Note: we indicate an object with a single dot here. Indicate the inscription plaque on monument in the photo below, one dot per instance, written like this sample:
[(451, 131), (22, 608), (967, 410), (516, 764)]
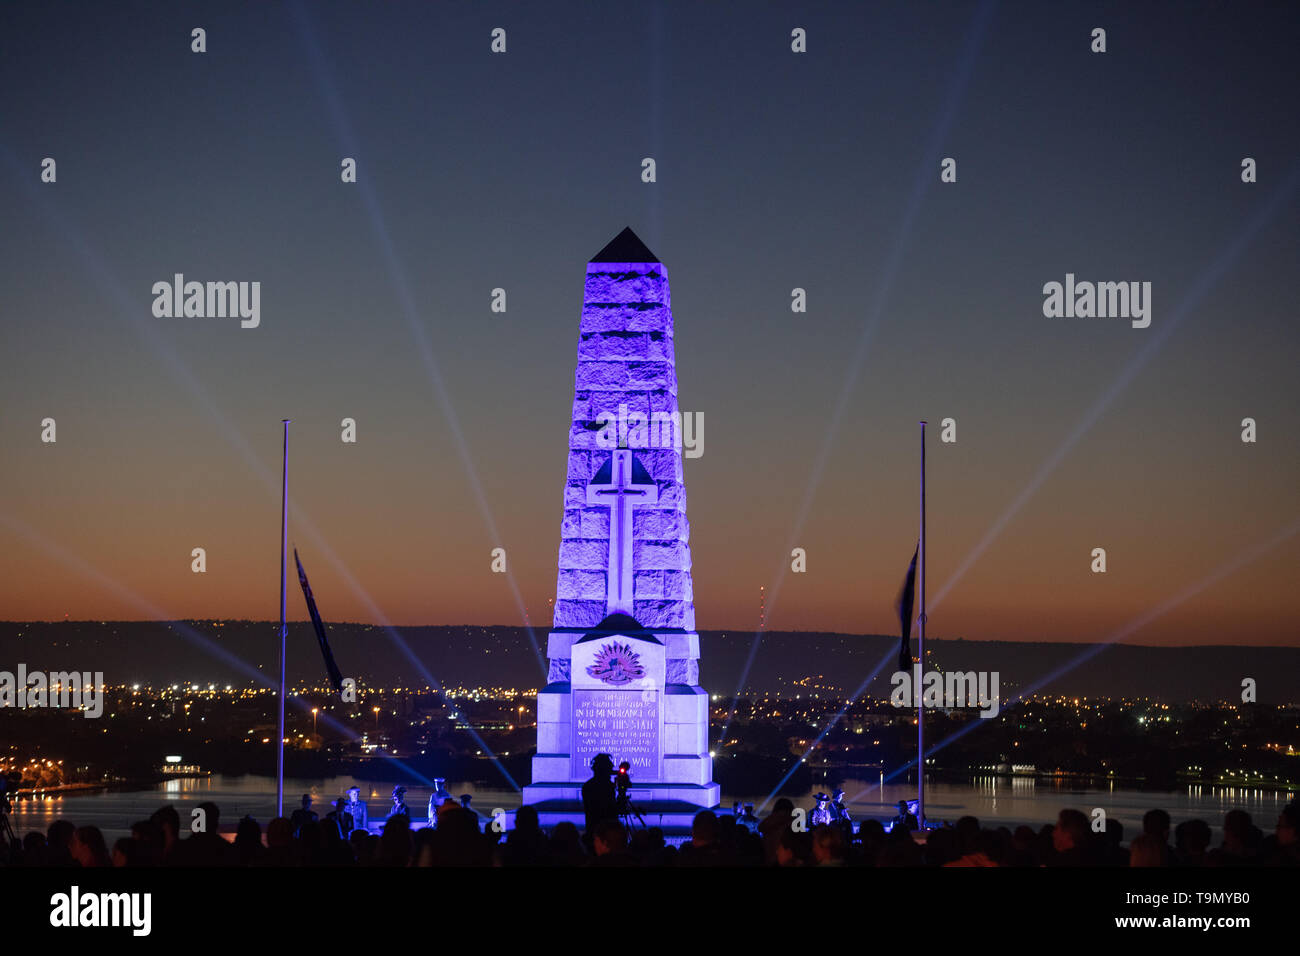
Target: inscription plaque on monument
[(618, 704), (622, 723)]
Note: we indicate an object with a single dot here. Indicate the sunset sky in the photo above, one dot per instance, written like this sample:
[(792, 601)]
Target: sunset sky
[(775, 170)]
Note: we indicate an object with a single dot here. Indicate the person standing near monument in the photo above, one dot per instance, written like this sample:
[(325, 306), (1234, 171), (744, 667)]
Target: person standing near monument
[(400, 808), (305, 814), (906, 818), (839, 812), (821, 813), (358, 810), (340, 819), (439, 796), (598, 800)]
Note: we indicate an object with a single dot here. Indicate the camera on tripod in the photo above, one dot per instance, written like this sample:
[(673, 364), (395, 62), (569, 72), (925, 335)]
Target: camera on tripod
[(627, 811), (8, 784)]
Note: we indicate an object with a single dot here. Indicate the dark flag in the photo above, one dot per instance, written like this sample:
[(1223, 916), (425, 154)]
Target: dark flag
[(904, 607), (336, 677)]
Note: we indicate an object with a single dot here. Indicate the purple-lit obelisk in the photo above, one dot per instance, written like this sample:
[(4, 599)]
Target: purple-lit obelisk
[(624, 655)]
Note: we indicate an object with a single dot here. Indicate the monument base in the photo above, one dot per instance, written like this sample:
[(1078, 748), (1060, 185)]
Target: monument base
[(684, 796)]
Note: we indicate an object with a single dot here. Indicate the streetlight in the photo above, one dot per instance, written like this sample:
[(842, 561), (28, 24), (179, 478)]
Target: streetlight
[(314, 712), (376, 720)]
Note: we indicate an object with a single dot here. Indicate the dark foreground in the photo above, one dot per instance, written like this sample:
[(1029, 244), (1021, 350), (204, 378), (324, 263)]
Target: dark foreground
[(462, 839)]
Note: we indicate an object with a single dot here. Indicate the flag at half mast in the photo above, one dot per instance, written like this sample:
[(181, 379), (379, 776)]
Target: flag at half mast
[(335, 675), (906, 598)]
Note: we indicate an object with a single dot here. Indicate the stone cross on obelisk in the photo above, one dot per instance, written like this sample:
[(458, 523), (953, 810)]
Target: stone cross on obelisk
[(617, 488)]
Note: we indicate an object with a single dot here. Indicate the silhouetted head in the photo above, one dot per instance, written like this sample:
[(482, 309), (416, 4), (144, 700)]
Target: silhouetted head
[(124, 852), (59, 834), (871, 834), (1114, 833), (88, 847), (704, 828), (1156, 822), (211, 816), (169, 819), (827, 844), (1147, 849), (279, 833), (1196, 836), (968, 834), (1288, 825), (610, 837), (566, 836), (1071, 831), (793, 848), (248, 831), (527, 820)]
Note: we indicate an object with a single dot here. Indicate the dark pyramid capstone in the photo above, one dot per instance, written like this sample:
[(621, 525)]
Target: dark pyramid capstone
[(618, 623), (625, 247)]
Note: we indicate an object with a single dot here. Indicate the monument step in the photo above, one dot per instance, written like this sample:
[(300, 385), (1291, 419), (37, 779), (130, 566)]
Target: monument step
[(669, 797)]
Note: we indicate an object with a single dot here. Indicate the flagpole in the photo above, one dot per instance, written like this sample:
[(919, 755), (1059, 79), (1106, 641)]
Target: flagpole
[(284, 543), (920, 643)]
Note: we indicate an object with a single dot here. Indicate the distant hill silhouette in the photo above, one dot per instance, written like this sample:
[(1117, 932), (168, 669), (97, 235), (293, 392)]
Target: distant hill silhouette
[(203, 652)]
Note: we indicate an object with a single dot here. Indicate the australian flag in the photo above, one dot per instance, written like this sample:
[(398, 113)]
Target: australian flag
[(906, 597), (336, 677)]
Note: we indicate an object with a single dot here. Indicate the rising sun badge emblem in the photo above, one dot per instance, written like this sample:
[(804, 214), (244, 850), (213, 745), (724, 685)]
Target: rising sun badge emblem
[(617, 664)]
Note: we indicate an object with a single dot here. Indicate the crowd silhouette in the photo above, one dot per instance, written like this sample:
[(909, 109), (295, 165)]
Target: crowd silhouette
[(462, 838)]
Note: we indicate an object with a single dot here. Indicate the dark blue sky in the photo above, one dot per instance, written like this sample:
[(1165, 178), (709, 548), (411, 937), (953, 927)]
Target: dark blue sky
[(775, 170)]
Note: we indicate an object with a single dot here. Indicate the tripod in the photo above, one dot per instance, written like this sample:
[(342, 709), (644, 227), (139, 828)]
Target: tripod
[(8, 839), (627, 812)]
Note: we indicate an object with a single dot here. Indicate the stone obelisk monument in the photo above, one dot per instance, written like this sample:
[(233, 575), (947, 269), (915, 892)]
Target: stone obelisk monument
[(623, 652)]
